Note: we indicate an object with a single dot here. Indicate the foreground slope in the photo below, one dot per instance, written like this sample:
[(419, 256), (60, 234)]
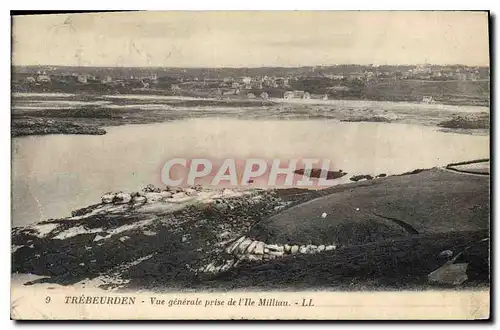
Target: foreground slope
[(386, 233)]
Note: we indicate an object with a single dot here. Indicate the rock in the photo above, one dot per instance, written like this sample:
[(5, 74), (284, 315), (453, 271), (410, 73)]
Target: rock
[(276, 253), (294, 249), (179, 195), (274, 247), (252, 247), (449, 274), (254, 257), (243, 245), (138, 199), (312, 249), (266, 251), (259, 248), (210, 268), (124, 238), (108, 198), (227, 265), (330, 247), (446, 254), (361, 177), (303, 249), (166, 194), (321, 248), (324, 215), (151, 188), (152, 197), (122, 198), (191, 192), (234, 245), (287, 248), (185, 238)]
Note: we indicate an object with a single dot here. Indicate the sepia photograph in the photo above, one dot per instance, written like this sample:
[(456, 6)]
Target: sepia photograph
[(250, 165)]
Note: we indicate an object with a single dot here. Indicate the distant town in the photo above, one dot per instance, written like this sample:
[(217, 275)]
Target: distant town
[(452, 84)]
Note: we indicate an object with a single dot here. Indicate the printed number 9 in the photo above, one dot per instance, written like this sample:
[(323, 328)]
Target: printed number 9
[(47, 300)]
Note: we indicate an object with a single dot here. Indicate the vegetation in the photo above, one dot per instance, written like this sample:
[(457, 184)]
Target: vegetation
[(466, 123)]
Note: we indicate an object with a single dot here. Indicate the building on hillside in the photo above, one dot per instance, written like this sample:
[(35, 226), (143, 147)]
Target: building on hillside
[(257, 85), (427, 99), (43, 78), (81, 78), (175, 88), (106, 80), (246, 80)]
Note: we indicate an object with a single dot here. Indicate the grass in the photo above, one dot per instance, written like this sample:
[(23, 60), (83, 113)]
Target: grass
[(377, 249), (393, 264), (361, 212)]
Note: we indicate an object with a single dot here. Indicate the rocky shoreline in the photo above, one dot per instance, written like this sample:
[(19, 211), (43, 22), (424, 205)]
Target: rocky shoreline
[(194, 237), (41, 126)]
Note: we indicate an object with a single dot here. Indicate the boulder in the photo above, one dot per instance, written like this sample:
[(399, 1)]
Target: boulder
[(274, 247), (449, 274), (446, 254), (151, 188), (330, 247), (108, 198), (312, 248), (191, 192), (255, 257), (179, 195), (259, 248), (227, 265), (252, 247), (243, 245), (122, 198), (166, 194), (230, 249), (276, 253), (210, 268), (138, 199), (152, 197)]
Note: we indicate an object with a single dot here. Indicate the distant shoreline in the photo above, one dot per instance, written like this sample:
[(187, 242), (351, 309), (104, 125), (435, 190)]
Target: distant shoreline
[(52, 113)]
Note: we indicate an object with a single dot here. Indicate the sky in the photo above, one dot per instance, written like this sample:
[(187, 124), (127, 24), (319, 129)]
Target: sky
[(251, 39)]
